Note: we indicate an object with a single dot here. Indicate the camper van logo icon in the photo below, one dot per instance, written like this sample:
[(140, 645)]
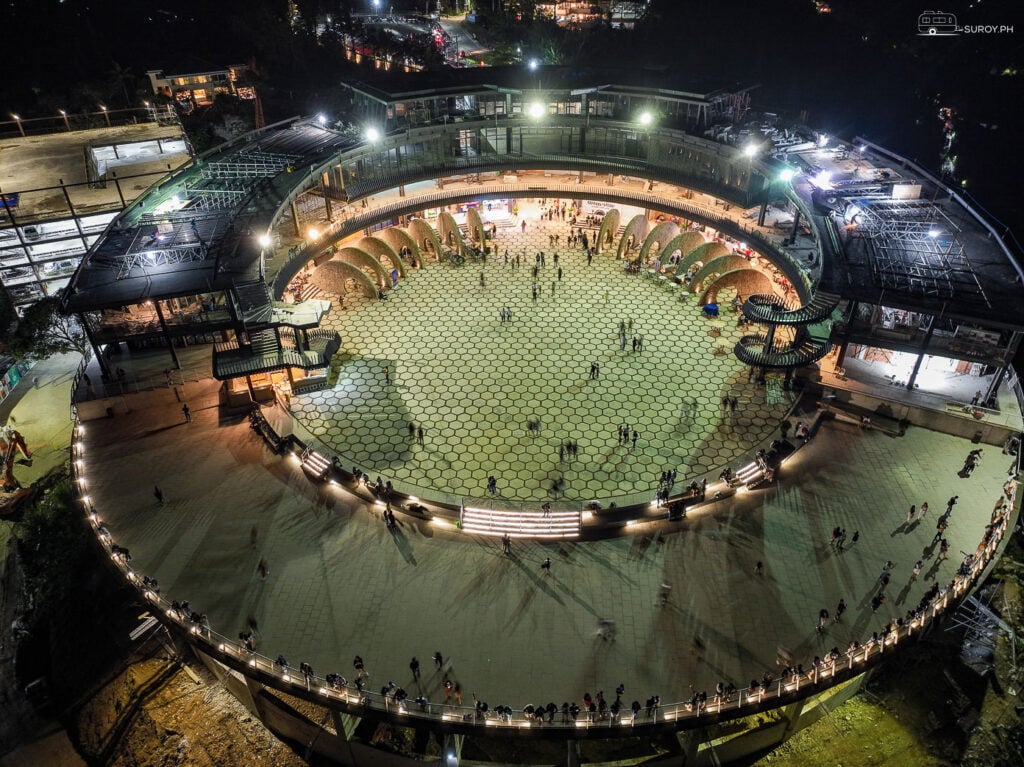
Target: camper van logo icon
[(933, 23)]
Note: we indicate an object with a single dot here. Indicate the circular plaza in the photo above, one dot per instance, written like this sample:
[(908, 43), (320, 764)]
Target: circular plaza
[(468, 355)]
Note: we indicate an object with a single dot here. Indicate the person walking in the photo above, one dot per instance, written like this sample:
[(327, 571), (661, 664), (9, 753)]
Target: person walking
[(412, 430), (546, 566), (918, 566), (636, 435), (822, 619), (506, 545), (419, 434), (387, 375), (922, 510), (438, 660), (951, 503), (187, 412), (911, 514), (414, 666), (840, 609), (559, 272)]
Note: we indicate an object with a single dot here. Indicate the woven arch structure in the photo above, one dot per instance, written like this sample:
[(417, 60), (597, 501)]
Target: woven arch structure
[(684, 242), (637, 228), (609, 226), (399, 238), (746, 281), (381, 250), (364, 260), (425, 237), (660, 235), (476, 226), (703, 253), (332, 277), (718, 265), (450, 234)]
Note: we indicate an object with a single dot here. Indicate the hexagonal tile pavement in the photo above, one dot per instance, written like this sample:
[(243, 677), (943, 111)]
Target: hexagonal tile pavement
[(474, 383)]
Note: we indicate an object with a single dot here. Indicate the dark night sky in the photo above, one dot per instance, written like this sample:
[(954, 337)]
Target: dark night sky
[(861, 69)]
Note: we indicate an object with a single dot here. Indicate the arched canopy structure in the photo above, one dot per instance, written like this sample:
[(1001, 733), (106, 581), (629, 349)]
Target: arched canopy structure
[(451, 235), (476, 226), (398, 238), (684, 243), (746, 281), (718, 265), (635, 229), (609, 227), (662, 234), (382, 251), (332, 277), (425, 237), (703, 253), (364, 260)]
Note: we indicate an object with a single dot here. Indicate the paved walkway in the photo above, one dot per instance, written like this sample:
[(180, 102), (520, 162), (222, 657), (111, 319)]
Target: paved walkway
[(339, 583), (472, 381)]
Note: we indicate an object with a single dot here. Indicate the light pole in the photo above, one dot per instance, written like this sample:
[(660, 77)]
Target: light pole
[(64, 115), (106, 114), (21, 128)]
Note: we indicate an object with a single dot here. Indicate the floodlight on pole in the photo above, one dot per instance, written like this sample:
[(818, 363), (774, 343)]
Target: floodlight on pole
[(106, 114), (646, 118), (64, 115), (21, 128), (372, 134), (533, 64), (536, 110)]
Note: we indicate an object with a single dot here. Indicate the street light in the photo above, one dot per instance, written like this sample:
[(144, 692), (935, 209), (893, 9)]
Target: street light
[(372, 134), (322, 119), (646, 118), (21, 128), (536, 110), (65, 116), (533, 64), (106, 114)]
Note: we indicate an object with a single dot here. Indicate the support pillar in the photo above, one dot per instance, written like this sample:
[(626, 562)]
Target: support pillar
[(572, 755), (345, 724), (997, 380), (167, 335), (791, 714), (762, 213), (252, 391), (298, 340), (689, 743), (452, 748), (920, 357), (401, 190), (769, 339), (295, 218), (100, 359), (611, 179), (74, 216), (796, 226), (841, 356)]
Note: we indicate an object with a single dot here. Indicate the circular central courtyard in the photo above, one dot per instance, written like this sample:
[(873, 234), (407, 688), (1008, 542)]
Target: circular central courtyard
[(439, 355)]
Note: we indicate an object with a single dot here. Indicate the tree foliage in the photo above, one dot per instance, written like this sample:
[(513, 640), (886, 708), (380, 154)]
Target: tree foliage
[(44, 331)]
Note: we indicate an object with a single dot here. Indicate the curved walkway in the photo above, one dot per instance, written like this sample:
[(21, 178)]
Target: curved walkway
[(340, 583)]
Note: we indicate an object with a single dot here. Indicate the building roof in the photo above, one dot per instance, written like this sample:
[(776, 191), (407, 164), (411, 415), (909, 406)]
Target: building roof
[(400, 86)]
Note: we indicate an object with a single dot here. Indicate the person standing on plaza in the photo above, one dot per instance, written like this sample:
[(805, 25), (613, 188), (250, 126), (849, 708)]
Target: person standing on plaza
[(492, 485), (559, 272), (922, 511), (414, 666), (635, 436), (918, 566), (950, 504), (546, 566), (387, 375), (412, 430), (910, 514), (419, 434), (822, 619)]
